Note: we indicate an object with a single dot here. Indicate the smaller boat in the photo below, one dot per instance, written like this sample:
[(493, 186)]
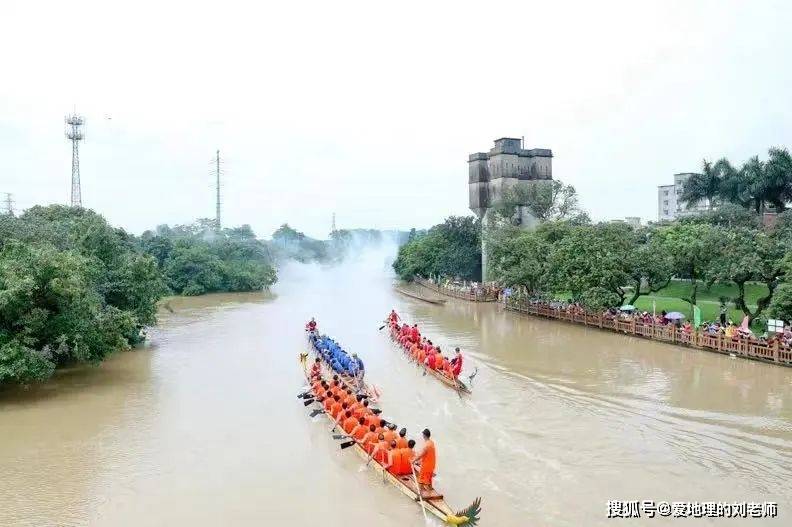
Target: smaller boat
[(457, 384), (435, 301)]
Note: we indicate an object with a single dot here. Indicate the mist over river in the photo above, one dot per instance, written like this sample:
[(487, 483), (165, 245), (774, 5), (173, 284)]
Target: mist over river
[(202, 427)]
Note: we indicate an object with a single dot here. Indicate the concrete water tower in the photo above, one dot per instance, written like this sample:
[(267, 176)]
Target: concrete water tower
[(506, 166)]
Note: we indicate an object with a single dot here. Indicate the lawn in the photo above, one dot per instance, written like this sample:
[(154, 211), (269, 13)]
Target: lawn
[(708, 300)]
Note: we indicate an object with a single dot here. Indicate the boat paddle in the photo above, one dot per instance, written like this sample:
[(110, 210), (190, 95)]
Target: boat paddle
[(418, 487)]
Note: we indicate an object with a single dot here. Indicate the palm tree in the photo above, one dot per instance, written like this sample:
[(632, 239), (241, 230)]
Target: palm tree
[(778, 178), (732, 185), (702, 186), (752, 172)]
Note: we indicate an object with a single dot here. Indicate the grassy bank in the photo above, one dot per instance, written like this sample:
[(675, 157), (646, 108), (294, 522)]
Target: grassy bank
[(708, 300)]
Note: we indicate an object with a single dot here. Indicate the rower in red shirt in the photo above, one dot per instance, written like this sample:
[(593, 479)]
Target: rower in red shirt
[(311, 325), (456, 364)]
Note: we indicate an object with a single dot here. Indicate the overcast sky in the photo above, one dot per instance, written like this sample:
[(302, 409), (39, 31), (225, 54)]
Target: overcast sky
[(370, 109)]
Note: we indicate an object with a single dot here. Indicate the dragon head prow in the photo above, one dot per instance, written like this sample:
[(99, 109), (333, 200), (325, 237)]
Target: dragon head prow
[(468, 516)]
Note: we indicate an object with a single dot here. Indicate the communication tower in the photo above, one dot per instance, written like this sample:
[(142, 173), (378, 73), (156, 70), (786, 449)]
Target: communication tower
[(218, 225), (74, 133)]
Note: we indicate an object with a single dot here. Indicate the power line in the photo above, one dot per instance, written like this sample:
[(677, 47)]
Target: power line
[(75, 134)]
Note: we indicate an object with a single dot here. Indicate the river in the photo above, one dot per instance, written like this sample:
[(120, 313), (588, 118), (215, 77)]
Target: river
[(202, 427)]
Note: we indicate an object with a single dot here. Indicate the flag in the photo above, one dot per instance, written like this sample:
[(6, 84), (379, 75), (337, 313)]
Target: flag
[(696, 316)]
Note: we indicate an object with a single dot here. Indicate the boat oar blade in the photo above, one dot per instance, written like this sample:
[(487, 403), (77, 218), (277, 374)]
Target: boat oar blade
[(316, 412), (346, 445), (382, 326), (376, 411), (309, 401)]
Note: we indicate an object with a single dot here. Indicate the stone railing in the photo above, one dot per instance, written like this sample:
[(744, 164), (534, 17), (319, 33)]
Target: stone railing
[(669, 333), (470, 294)]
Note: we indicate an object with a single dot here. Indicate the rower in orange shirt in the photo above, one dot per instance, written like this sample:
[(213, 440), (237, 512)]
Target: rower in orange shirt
[(329, 401), (421, 357), (390, 433), (370, 439), (428, 459), (380, 451), (316, 369), (372, 419), (400, 459), (359, 432), (362, 410), (447, 368), (414, 350), (349, 423), (337, 406), (401, 441)]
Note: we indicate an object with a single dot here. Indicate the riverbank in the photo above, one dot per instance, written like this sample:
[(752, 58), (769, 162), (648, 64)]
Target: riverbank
[(771, 353), (471, 294)]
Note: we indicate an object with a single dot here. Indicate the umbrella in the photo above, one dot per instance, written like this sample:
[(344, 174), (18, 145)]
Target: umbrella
[(628, 307), (675, 315)]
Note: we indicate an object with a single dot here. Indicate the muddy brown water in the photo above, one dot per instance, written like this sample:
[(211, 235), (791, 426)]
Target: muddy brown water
[(202, 427)]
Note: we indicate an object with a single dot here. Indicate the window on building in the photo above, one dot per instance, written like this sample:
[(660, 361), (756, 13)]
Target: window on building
[(665, 203), (665, 193), (665, 212)]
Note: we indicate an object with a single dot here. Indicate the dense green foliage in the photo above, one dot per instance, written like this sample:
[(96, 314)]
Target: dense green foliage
[(72, 289), (195, 259), (451, 249), (608, 264), (543, 200), (754, 185)]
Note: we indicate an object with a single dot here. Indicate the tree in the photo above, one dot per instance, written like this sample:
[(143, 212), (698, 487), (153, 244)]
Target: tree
[(544, 200), (726, 215), (704, 186), (592, 264), (778, 178), (52, 313), (451, 249), (194, 270), (691, 247), (649, 266), (518, 258), (749, 255)]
